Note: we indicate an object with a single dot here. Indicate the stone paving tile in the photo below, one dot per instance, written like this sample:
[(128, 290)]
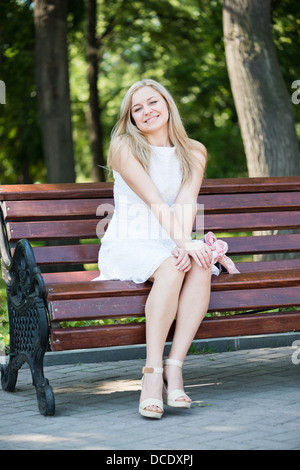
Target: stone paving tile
[(242, 400)]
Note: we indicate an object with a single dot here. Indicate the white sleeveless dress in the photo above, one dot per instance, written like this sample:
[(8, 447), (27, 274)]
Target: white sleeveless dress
[(135, 244)]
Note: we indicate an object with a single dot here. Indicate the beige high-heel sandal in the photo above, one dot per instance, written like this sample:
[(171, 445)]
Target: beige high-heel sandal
[(151, 401), (172, 398)]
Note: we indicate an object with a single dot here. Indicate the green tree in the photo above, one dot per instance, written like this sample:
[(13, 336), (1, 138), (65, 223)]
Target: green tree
[(21, 157), (180, 44), (52, 77), (262, 100)]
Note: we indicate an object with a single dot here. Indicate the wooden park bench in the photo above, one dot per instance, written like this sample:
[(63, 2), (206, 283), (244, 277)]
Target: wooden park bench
[(48, 286)]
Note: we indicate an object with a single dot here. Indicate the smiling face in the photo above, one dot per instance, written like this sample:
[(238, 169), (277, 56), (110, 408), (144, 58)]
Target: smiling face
[(149, 110)]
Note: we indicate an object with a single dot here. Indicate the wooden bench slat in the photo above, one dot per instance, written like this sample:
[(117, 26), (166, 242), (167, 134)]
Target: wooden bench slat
[(123, 335), (248, 185), (251, 221), (271, 265), (67, 254), (123, 305), (262, 244), (98, 308), (265, 298), (55, 191), (251, 324), (91, 190), (54, 230), (71, 229), (64, 339), (69, 277), (86, 208), (88, 253), (254, 280), (250, 280), (55, 209), (84, 290), (243, 267), (249, 202)]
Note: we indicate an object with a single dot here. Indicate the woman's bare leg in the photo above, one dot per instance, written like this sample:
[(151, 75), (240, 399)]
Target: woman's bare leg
[(160, 311), (192, 308)]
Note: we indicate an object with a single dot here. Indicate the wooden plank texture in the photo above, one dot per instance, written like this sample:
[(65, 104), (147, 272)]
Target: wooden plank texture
[(251, 324), (97, 309), (55, 191), (66, 254), (70, 229), (249, 202), (57, 209), (243, 267), (86, 208), (91, 190), (69, 277), (251, 221), (223, 282), (54, 230), (123, 335), (88, 253), (123, 305), (262, 244)]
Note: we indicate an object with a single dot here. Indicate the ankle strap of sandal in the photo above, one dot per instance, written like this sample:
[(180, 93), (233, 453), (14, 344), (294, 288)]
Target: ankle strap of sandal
[(173, 362), (152, 370)]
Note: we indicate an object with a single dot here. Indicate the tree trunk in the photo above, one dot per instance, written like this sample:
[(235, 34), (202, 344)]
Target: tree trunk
[(94, 112), (53, 90), (261, 98)]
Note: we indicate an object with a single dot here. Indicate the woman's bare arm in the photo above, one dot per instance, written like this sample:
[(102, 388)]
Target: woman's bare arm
[(141, 183)]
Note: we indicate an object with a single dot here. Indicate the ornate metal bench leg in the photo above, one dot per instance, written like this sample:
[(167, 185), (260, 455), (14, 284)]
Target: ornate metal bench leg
[(44, 393), (9, 377), (28, 319)]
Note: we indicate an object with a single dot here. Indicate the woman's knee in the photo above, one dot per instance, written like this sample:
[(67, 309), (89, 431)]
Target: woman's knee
[(169, 272), (199, 272)]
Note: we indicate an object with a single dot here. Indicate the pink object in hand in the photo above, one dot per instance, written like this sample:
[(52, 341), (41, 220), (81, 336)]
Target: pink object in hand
[(219, 248)]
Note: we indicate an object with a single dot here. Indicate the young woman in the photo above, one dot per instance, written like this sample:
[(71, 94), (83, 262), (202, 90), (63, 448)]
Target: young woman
[(158, 172)]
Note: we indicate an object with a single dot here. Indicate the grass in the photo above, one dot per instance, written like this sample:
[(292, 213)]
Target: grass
[(196, 351)]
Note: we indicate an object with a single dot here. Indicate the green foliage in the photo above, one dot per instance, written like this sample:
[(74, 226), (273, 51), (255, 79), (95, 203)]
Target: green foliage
[(103, 322), (179, 43), (21, 158)]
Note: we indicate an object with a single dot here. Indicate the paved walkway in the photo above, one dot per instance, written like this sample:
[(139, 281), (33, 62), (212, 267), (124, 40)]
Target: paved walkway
[(241, 400)]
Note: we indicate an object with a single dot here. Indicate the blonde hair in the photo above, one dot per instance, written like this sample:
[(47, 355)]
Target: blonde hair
[(125, 131)]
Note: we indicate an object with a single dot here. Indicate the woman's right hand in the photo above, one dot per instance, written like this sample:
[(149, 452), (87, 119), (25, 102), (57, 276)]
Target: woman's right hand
[(200, 252)]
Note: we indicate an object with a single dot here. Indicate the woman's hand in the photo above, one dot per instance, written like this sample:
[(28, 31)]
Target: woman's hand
[(200, 252), (182, 259)]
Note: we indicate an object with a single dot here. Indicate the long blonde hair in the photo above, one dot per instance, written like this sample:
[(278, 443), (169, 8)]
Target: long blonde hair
[(125, 130)]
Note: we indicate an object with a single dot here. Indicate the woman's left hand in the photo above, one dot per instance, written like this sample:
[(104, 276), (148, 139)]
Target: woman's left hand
[(182, 259)]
